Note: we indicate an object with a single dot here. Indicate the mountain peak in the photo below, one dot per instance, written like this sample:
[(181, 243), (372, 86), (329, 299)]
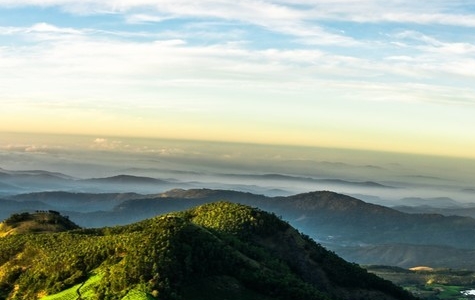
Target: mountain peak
[(213, 251)]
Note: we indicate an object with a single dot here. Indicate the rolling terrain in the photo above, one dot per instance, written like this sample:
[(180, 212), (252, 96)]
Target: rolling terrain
[(210, 252), (421, 232), (358, 231)]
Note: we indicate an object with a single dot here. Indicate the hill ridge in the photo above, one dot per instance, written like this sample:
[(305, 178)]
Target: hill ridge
[(251, 253), (40, 221)]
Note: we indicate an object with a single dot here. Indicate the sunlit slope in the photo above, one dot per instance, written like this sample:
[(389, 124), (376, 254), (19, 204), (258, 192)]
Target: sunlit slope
[(202, 253), (39, 221)]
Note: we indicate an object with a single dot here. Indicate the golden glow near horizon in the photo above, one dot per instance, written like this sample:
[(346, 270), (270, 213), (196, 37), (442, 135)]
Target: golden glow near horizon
[(359, 128), (160, 72)]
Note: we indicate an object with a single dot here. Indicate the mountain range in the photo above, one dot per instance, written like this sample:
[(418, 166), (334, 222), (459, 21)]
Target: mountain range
[(358, 231), (219, 250)]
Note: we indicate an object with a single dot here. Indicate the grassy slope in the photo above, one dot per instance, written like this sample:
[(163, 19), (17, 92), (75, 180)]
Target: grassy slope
[(87, 289)]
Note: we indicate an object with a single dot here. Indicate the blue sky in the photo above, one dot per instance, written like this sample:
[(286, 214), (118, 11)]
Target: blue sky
[(378, 75)]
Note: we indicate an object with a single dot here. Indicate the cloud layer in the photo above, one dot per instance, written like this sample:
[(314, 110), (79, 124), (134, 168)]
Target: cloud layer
[(280, 66)]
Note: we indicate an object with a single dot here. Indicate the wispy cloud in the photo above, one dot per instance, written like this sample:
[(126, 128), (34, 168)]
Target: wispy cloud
[(147, 63)]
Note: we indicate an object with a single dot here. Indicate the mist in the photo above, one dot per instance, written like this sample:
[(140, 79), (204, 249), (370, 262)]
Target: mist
[(273, 170)]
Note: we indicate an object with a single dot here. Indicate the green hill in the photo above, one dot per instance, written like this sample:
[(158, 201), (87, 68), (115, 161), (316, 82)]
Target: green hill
[(214, 251), (39, 221)]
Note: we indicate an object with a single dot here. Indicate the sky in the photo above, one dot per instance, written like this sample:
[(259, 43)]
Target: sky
[(394, 75)]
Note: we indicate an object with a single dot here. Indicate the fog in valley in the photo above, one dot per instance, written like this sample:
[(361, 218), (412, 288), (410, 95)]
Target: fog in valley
[(107, 181), (384, 178)]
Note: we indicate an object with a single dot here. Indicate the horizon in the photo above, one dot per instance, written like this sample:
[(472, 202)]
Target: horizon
[(394, 77), (374, 176)]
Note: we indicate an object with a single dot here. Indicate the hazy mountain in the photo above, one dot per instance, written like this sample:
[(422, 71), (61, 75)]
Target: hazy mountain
[(406, 256), (280, 177), (333, 219), (80, 202), (339, 218), (21, 181), (440, 202), (216, 251), (32, 173), (467, 210), (9, 207), (8, 187), (17, 182), (126, 179)]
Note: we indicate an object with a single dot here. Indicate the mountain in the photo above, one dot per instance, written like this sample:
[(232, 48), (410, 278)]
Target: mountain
[(16, 182), (280, 177), (79, 202), (8, 187), (9, 207), (32, 173), (40, 221), (340, 219), (350, 227), (407, 256), (440, 202), (467, 211), (215, 251), (126, 179), (12, 182)]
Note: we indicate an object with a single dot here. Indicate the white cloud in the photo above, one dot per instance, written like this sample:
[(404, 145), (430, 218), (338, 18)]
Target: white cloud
[(115, 67), (145, 18), (273, 11), (45, 27)]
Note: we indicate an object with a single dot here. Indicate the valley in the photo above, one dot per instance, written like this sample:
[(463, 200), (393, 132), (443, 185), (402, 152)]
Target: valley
[(361, 232), (429, 283)]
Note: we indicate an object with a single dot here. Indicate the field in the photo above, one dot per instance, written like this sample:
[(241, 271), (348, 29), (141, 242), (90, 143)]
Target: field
[(86, 289), (427, 283)]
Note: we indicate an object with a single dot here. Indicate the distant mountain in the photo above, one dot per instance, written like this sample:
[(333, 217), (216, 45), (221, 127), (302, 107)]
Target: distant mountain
[(441, 202), (126, 179), (32, 173), (79, 202), (280, 177), (406, 256), (9, 207), (216, 251), (8, 187), (17, 182), (12, 182), (466, 210), (339, 218), (333, 219)]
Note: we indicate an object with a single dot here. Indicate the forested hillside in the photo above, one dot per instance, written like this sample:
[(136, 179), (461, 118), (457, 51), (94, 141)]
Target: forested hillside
[(208, 252)]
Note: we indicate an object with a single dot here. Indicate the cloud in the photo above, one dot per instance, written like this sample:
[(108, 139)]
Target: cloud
[(105, 144), (114, 69), (283, 15), (30, 148), (145, 18), (117, 66)]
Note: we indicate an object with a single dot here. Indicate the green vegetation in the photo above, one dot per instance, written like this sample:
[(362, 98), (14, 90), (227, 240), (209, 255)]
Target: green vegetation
[(86, 290), (40, 221), (432, 284), (211, 251)]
